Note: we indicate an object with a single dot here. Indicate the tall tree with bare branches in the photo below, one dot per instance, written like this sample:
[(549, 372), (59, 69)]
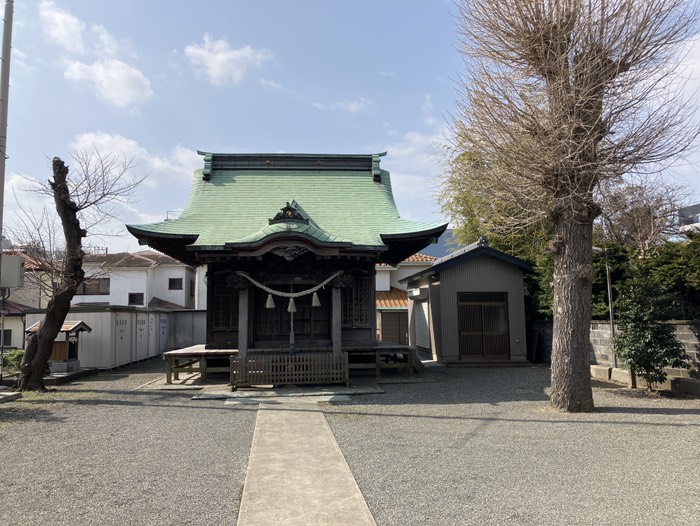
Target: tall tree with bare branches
[(562, 96), (100, 182), (641, 214)]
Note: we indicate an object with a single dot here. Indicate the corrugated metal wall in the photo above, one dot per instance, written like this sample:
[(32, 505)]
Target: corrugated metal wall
[(119, 335), (186, 328), (482, 274)]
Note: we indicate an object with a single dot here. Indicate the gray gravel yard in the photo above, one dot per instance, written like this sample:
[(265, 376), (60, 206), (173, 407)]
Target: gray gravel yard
[(476, 446), (480, 446), (98, 452)]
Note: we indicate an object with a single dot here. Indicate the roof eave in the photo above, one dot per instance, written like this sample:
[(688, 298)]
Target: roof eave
[(401, 246), (174, 245)]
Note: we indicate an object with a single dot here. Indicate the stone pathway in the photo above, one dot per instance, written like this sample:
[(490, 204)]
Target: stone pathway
[(296, 472)]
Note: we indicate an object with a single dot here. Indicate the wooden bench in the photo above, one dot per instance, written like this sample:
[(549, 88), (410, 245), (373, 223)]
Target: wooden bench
[(193, 360), (388, 357), (289, 369)]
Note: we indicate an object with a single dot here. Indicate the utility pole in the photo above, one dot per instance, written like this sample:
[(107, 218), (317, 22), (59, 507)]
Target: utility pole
[(4, 94)]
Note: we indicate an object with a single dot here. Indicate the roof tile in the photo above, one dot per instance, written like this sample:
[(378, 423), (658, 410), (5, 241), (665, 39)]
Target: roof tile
[(233, 198), (392, 299)]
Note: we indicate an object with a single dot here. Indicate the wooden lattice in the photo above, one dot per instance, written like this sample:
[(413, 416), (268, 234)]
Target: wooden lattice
[(289, 369)]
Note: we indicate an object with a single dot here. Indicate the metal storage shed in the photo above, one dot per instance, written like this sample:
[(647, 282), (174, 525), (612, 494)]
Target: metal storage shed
[(120, 335), (469, 307)]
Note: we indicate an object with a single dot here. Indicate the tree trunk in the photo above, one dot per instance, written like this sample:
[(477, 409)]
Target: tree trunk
[(573, 251), (40, 346)]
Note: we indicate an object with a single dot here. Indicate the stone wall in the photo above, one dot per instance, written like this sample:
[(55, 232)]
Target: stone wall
[(681, 380), (601, 349), (603, 361)]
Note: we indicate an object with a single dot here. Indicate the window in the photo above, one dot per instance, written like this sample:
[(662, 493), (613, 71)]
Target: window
[(94, 287), (192, 287), (7, 338), (175, 284), (356, 303), (135, 298), (224, 311)]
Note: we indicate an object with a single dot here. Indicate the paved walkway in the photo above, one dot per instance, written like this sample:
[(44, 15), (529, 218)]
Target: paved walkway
[(297, 473)]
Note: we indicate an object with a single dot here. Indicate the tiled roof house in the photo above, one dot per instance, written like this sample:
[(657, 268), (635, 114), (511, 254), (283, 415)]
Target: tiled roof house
[(141, 279)]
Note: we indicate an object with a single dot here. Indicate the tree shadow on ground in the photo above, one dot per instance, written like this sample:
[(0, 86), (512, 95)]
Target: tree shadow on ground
[(18, 415), (468, 385), (119, 398), (667, 411), (494, 386)]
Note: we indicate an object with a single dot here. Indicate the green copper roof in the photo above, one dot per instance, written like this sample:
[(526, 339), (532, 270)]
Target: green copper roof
[(339, 200)]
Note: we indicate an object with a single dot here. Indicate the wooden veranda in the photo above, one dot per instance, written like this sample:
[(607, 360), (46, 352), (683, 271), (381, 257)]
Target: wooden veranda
[(275, 366)]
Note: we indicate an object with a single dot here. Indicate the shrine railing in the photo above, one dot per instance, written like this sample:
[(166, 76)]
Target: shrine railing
[(289, 369)]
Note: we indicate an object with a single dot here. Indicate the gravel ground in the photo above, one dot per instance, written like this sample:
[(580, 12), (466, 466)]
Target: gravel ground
[(476, 446), (481, 446), (98, 452)]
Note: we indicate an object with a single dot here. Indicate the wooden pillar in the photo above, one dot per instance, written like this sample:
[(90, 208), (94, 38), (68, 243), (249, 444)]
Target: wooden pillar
[(336, 322), (373, 305), (411, 324), (243, 322)]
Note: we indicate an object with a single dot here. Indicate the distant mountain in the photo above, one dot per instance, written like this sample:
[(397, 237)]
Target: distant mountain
[(444, 246)]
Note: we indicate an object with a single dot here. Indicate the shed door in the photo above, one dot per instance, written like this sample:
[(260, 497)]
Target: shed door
[(395, 327), (483, 326)]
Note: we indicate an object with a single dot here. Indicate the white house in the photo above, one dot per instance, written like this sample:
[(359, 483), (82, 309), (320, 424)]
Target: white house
[(392, 302), (141, 279), (689, 218), (14, 322)]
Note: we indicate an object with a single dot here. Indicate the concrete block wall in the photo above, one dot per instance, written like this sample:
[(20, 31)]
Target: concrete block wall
[(682, 380), (602, 359), (601, 349), (688, 334)]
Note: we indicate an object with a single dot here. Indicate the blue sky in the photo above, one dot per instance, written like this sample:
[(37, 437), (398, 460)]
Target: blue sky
[(157, 80)]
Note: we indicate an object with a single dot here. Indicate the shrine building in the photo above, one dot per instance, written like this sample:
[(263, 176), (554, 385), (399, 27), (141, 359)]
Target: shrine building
[(290, 242)]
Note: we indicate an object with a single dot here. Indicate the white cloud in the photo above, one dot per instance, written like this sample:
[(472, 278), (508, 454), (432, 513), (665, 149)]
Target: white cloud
[(22, 60), (427, 111), (165, 188), (108, 46), (181, 161), (115, 81), (412, 161), (389, 129), (271, 84), (222, 64), (62, 27), (350, 105), (356, 105), (18, 195), (26, 203)]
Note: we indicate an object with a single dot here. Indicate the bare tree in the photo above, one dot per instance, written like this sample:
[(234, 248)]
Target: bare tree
[(100, 183), (561, 96), (642, 213), (36, 236)]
